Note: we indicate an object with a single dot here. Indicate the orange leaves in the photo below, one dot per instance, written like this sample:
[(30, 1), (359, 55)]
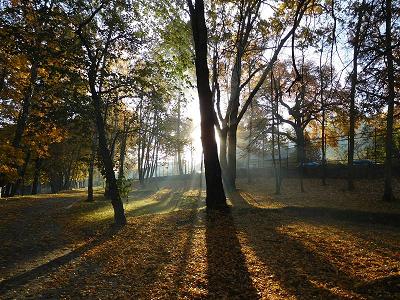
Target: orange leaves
[(252, 253), (10, 159)]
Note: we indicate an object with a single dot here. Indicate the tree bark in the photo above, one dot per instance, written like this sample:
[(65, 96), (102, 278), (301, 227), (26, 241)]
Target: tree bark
[(21, 173), (323, 121), (388, 191), (232, 141), (350, 155), (300, 141), (26, 104), (178, 131), (90, 197), (122, 154), (21, 124), (223, 136), (119, 214), (36, 176), (275, 118), (249, 144), (215, 198)]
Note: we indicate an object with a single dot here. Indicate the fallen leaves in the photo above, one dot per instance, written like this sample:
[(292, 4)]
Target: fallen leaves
[(176, 250)]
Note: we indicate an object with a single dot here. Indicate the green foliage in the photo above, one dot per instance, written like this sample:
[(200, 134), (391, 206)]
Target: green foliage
[(124, 187)]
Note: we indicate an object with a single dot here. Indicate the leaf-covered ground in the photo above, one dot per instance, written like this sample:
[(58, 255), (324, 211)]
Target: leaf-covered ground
[(267, 246)]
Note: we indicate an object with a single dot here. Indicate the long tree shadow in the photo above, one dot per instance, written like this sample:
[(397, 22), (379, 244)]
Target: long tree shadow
[(166, 203), (41, 229), (227, 273), (321, 213), (137, 264), (19, 280), (44, 228), (299, 270), (181, 272), (346, 215)]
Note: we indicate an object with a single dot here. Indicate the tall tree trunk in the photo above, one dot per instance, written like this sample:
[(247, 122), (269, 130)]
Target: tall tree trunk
[(273, 151), (249, 143), (122, 153), (300, 141), (140, 158), (223, 137), (388, 192), (21, 173), (232, 141), (36, 176), (215, 191), (119, 215), (350, 155), (21, 124), (26, 104), (178, 131), (278, 191), (250, 132), (275, 118), (90, 180), (323, 148), (90, 197)]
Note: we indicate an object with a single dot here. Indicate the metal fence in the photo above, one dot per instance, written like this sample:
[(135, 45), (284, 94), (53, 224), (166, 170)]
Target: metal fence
[(369, 155)]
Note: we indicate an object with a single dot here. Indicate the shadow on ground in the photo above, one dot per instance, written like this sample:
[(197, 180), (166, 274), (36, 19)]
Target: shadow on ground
[(227, 272), (301, 271), (39, 235), (23, 278), (170, 249)]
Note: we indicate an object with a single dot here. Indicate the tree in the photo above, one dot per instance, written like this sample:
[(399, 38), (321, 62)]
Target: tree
[(352, 113), (388, 192), (248, 31), (215, 192), (379, 74), (104, 36), (27, 29)]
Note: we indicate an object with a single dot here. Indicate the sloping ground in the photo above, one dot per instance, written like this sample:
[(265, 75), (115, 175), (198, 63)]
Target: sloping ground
[(367, 195), (252, 252)]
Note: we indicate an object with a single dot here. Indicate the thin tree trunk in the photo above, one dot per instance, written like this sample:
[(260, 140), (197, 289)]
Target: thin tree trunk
[(90, 181), (122, 153), (350, 155), (275, 112), (300, 155), (119, 214), (249, 144), (279, 155), (179, 148), (90, 197), (323, 160), (273, 150)]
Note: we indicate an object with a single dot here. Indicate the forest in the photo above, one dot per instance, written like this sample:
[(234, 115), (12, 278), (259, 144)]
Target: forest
[(200, 149)]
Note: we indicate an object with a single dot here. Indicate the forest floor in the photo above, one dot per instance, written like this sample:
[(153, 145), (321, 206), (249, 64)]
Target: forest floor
[(326, 243)]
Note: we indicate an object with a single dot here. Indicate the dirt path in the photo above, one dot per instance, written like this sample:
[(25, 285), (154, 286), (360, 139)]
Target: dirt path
[(42, 232), (30, 232)]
